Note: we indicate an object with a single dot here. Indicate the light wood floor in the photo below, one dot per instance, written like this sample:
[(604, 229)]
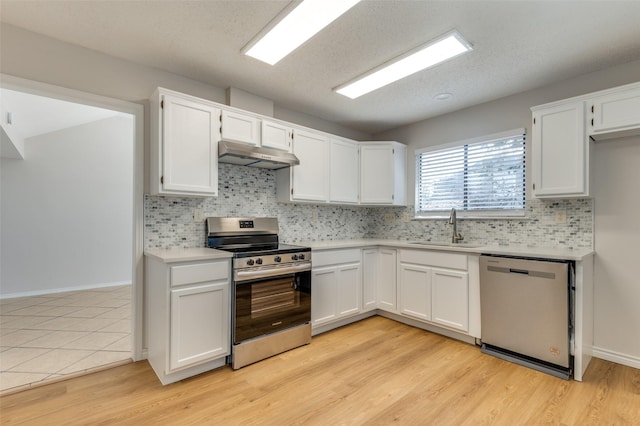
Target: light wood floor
[(376, 371)]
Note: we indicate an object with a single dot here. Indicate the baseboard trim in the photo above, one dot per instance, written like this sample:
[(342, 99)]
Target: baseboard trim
[(617, 357), (63, 289)]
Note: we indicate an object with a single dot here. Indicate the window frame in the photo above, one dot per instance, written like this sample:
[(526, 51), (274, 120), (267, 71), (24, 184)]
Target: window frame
[(473, 214)]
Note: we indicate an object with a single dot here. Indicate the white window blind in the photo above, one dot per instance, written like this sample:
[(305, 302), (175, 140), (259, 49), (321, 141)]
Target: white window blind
[(485, 176)]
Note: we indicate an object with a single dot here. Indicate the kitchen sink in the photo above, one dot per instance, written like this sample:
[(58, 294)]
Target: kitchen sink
[(445, 244)]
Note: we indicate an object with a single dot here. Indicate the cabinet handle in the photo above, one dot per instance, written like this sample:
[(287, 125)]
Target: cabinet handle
[(534, 185), (591, 109), (162, 180), (592, 122)]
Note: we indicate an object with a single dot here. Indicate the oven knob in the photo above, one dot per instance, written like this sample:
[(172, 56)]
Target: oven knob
[(301, 256), (277, 259), (258, 261), (250, 262), (294, 257)]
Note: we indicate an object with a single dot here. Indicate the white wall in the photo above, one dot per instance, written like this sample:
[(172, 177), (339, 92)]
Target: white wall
[(35, 57), (499, 115), (66, 210), (617, 237)]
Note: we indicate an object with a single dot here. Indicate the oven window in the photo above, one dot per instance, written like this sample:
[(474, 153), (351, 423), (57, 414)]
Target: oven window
[(268, 305), (274, 296)]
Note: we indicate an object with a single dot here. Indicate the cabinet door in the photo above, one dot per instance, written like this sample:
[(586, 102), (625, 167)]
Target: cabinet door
[(414, 291), (324, 295), (387, 280), (369, 279), (450, 299), (560, 151), (615, 111), (344, 171), (310, 179), (350, 289), (240, 128), (200, 326), (276, 135), (190, 147), (376, 174)]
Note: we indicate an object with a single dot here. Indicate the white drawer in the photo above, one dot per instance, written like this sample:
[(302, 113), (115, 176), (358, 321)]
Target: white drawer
[(200, 272), (335, 257), (434, 258)]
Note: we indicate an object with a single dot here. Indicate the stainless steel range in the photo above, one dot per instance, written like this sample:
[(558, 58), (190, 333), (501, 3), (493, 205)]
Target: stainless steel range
[(271, 289)]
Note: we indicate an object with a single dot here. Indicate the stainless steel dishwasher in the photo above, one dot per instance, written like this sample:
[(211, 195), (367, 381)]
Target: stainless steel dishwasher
[(526, 312)]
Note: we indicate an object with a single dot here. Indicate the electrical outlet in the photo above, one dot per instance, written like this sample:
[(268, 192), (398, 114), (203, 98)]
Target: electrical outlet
[(406, 217), (314, 216), (198, 215), (560, 217), (389, 217)]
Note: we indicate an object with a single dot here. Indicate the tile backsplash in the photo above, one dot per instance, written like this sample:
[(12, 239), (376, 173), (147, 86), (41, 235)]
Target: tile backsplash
[(246, 191)]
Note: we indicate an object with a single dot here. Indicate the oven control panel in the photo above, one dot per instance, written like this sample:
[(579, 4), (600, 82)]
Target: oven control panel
[(272, 259)]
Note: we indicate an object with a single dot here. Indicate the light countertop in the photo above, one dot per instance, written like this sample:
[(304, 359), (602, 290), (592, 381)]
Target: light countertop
[(538, 252), (174, 255)]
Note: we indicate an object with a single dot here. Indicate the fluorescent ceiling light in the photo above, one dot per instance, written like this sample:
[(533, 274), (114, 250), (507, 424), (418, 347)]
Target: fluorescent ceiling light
[(302, 23), (425, 56)]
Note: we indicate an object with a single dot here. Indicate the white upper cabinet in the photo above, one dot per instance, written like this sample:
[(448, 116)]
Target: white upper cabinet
[(184, 145), (616, 113), (383, 179), (276, 135), (344, 171), (308, 181), (240, 127), (560, 154)]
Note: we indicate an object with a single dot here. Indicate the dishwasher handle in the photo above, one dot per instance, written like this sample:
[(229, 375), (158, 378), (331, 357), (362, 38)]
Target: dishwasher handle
[(531, 273)]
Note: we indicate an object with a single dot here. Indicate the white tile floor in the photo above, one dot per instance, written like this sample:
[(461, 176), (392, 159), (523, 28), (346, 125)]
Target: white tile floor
[(49, 336)]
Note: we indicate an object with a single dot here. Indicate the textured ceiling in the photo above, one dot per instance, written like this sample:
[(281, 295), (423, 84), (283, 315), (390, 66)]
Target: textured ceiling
[(518, 45)]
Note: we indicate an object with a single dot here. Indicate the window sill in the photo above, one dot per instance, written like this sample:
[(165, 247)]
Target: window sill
[(471, 216)]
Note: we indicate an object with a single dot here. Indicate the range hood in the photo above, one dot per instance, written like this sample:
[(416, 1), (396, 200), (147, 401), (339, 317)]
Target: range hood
[(253, 156)]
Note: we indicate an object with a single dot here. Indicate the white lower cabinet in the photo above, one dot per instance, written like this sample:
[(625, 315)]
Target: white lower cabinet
[(450, 298), (434, 287), (370, 273), (188, 316), (191, 307), (414, 291), (336, 285), (386, 289)]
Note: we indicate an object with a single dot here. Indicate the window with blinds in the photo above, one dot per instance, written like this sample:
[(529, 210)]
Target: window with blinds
[(484, 177)]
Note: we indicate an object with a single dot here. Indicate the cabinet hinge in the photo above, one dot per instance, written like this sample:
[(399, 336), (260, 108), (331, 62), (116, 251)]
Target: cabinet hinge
[(162, 180), (592, 122), (534, 120), (291, 191), (592, 109), (534, 185), (162, 104), (393, 151), (392, 197)]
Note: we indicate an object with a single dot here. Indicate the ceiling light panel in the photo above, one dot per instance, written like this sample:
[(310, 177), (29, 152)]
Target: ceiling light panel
[(298, 26), (437, 51)]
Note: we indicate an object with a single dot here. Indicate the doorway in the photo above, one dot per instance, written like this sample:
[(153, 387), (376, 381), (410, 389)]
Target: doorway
[(71, 235)]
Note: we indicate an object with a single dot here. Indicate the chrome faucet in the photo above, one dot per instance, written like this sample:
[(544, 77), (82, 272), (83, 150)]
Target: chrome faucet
[(455, 237)]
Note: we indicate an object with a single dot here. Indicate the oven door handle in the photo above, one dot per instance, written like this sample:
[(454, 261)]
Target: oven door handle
[(270, 272)]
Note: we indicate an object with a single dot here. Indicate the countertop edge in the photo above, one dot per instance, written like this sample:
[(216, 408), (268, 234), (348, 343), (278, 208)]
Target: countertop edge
[(174, 255), (535, 252)]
